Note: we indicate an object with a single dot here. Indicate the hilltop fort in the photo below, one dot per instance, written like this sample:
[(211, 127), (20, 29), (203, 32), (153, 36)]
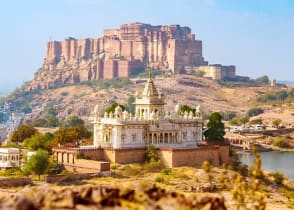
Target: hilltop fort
[(125, 51)]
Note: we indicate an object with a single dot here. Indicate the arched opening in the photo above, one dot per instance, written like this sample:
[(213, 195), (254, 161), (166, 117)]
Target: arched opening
[(166, 138)]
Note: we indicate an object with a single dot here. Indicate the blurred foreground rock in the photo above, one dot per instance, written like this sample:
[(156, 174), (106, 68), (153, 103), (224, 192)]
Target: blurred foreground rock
[(100, 197)]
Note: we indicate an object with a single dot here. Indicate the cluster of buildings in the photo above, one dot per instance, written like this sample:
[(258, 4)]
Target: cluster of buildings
[(10, 121)]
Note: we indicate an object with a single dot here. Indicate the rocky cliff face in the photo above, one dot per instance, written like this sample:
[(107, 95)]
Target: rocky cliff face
[(118, 53)]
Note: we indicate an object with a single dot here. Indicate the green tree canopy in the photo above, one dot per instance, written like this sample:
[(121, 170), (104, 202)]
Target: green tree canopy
[(112, 107), (71, 135), (276, 122), (244, 120), (263, 79), (37, 141), (131, 106), (73, 121), (215, 128), (186, 108), (23, 132), (234, 121), (49, 110), (50, 121), (38, 163), (256, 121)]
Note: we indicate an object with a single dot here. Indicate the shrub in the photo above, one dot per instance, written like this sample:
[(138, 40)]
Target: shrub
[(276, 122), (234, 121), (131, 170), (64, 93), (282, 142), (263, 79), (151, 154), (153, 166), (254, 112), (267, 133), (277, 177), (256, 121), (166, 171), (228, 115), (83, 156), (159, 178)]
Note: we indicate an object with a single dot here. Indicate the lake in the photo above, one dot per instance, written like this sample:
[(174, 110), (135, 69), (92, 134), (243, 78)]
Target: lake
[(273, 162)]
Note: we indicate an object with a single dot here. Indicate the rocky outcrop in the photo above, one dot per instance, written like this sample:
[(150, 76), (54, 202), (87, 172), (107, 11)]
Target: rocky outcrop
[(118, 53), (98, 197)]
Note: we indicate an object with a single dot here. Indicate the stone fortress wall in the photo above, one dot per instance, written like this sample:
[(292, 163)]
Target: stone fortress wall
[(119, 53)]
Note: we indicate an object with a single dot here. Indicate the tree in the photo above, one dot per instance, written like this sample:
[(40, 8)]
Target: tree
[(52, 121), (215, 128), (256, 121), (244, 120), (282, 142), (131, 106), (186, 108), (23, 132), (263, 79), (112, 107), (81, 132), (276, 122), (50, 110), (40, 122), (73, 121), (37, 141), (38, 163), (71, 135), (234, 121)]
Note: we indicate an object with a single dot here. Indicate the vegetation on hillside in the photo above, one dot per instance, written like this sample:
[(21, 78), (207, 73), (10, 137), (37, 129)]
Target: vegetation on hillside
[(48, 118), (227, 115), (280, 96), (254, 111)]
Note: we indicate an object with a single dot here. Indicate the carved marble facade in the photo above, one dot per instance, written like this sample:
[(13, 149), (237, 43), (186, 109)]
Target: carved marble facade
[(150, 124)]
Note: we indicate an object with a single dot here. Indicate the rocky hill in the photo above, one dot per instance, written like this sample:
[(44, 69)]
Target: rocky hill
[(81, 98)]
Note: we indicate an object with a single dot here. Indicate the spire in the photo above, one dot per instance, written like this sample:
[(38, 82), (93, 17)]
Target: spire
[(149, 72), (150, 89)]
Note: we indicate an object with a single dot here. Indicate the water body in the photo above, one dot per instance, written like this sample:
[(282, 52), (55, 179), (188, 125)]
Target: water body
[(273, 162)]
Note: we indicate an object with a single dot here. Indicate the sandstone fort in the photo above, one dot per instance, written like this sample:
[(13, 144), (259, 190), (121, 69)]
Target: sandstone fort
[(123, 52)]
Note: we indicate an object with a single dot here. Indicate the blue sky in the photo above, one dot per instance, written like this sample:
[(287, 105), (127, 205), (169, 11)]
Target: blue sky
[(255, 35)]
